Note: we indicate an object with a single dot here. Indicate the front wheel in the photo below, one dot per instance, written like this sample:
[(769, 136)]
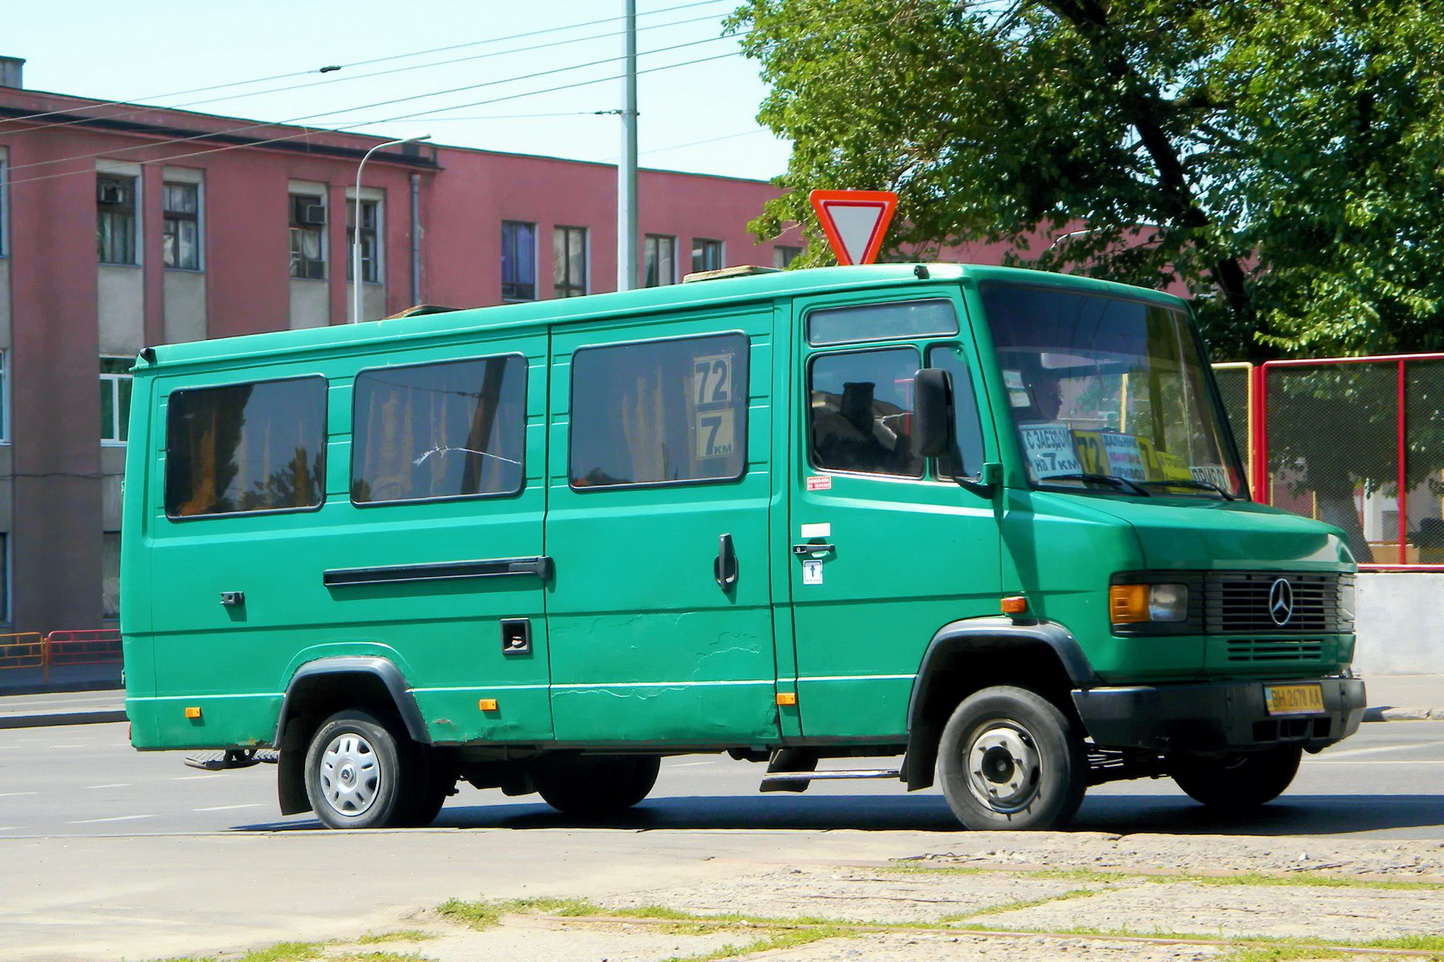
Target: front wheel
[(1010, 760), (358, 771), (1236, 783), (594, 785)]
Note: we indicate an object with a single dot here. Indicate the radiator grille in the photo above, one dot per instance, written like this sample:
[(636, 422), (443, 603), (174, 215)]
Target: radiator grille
[(1256, 651), (1248, 602)]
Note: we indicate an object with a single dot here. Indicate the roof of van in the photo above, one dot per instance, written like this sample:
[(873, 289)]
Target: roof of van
[(719, 292)]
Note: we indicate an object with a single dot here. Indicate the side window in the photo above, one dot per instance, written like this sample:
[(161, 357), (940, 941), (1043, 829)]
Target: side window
[(966, 459), (456, 429), (861, 412), (246, 447), (659, 412)]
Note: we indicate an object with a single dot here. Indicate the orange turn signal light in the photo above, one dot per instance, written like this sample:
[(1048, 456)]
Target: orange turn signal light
[(193, 711), (1015, 605), (487, 704), (787, 698), (1128, 604)]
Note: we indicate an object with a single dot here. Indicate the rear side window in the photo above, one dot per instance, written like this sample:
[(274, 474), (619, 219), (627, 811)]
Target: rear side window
[(423, 432), (659, 412), (246, 447)]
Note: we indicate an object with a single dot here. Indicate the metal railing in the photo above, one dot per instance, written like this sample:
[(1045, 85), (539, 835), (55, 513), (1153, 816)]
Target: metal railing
[(1354, 441), (59, 649)]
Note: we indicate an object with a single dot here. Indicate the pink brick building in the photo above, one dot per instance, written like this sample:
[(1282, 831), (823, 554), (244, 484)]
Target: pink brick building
[(123, 226)]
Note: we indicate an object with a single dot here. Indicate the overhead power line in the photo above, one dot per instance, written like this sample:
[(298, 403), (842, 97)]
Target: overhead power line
[(310, 132), (327, 113), (360, 63)]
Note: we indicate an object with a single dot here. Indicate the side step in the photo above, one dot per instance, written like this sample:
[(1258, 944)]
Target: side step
[(219, 761), (771, 777)]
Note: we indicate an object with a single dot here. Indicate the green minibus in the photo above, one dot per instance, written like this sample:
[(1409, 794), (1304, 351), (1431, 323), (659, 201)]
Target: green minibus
[(986, 521)]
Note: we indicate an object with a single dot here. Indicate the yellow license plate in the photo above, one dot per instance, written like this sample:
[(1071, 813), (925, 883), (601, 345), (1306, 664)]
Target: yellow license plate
[(1294, 699)]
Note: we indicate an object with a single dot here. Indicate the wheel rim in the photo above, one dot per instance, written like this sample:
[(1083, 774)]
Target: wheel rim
[(1003, 767), (350, 774)]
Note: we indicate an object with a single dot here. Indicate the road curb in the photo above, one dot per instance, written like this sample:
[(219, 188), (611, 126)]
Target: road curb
[(1389, 713), (62, 718)]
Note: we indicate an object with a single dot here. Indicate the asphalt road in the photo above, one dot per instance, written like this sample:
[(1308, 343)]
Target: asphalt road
[(85, 781)]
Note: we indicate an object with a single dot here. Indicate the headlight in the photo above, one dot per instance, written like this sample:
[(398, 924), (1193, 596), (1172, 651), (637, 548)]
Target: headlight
[(1145, 604)]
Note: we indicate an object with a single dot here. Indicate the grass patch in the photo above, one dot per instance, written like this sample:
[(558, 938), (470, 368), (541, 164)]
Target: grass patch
[(287, 952), (1016, 905), (1419, 943), (404, 935), (483, 915), (1279, 953), (772, 941), (1315, 879)]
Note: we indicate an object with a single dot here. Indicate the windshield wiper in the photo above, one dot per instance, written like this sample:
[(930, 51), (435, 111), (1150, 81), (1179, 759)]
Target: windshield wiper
[(1113, 479), (1192, 483)]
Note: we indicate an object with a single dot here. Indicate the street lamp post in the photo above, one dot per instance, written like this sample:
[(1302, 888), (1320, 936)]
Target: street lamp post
[(356, 224)]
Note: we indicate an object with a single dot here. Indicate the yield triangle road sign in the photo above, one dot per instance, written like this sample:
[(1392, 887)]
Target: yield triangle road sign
[(855, 221)]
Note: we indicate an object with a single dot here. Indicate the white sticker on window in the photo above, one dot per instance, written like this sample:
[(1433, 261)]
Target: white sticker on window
[(823, 530)]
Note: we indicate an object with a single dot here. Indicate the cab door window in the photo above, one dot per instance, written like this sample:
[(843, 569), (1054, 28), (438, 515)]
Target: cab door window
[(860, 412)]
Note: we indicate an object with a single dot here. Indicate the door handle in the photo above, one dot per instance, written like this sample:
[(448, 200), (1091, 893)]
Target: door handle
[(724, 566), (803, 549)]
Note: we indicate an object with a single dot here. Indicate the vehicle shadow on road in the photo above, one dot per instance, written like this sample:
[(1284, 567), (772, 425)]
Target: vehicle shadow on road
[(1305, 815)]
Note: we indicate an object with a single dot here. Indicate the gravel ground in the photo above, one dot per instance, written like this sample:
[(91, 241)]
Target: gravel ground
[(1150, 898)]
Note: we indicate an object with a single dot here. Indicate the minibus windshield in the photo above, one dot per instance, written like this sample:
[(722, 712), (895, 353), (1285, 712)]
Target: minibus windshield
[(1110, 395)]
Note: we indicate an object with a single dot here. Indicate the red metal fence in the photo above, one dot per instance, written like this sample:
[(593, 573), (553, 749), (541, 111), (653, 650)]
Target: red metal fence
[(1357, 442), (83, 646)]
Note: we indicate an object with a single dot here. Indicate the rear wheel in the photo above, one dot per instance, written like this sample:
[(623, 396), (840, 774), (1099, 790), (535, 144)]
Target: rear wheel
[(1235, 783), (1009, 759), (592, 785), (359, 770)]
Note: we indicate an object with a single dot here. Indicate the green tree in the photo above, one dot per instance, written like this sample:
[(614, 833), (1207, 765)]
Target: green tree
[(1281, 158)]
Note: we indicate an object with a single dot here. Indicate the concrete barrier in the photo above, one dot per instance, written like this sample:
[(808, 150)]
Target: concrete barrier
[(1399, 623)]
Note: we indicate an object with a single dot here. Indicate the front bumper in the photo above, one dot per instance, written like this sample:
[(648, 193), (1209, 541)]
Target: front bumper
[(1216, 716)]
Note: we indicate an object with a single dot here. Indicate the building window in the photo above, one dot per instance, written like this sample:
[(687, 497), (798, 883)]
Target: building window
[(250, 447), (4, 578), (569, 264), (308, 236), (783, 256), (4, 205), (114, 399), (518, 261), (660, 256), (369, 240), (424, 432), (110, 575), (115, 218), (182, 227), (659, 412), (4, 397), (706, 255)]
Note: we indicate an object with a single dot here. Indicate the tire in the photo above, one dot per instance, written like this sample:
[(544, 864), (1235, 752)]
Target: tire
[(593, 785), (1010, 760), (360, 773), (1237, 783), (428, 792)]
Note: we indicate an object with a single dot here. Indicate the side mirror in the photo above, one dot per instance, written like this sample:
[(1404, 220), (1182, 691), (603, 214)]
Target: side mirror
[(932, 412)]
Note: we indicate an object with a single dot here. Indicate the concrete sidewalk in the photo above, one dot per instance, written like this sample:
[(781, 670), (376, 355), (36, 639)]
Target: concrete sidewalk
[(1391, 698)]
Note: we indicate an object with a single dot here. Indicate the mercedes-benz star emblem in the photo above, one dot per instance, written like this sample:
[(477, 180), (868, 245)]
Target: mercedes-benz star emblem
[(1281, 602)]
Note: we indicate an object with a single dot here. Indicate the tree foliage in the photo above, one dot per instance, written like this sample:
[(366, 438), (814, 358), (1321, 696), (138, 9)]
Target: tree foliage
[(1281, 158)]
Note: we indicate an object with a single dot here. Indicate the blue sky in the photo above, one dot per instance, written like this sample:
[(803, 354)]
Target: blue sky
[(699, 117)]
